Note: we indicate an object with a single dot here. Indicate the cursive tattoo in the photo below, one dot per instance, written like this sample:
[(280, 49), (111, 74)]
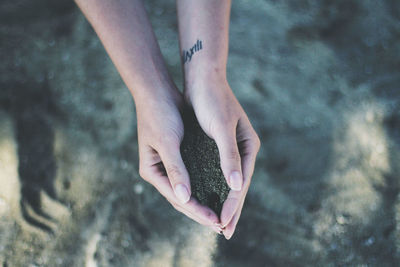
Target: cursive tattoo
[(187, 55)]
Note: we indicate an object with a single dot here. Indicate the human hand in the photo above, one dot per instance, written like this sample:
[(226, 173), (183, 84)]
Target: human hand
[(224, 120), (160, 132)]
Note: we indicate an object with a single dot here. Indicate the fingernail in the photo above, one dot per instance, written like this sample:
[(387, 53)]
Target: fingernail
[(182, 193), (222, 227), (236, 181), (218, 225), (217, 230)]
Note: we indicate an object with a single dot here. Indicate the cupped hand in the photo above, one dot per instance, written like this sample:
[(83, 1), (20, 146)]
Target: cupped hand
[(160, 132), (223, 119)]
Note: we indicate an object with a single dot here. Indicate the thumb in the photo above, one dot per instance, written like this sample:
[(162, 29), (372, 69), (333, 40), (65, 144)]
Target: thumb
[(176, 172), (230, 158)]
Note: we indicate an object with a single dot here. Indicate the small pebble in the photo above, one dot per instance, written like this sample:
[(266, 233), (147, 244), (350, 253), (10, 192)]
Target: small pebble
[(341, 219), (369, 242), (138, 188)]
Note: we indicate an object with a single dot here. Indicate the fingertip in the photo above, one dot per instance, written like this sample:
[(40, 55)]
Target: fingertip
[(231, 163), (228, 211), (230, 229), (182, 193), (217, 229), (227, 236), (236, 181)]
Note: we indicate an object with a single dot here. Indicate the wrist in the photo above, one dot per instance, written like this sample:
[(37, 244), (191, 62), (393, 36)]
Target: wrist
[(201, 77), (150, 95)]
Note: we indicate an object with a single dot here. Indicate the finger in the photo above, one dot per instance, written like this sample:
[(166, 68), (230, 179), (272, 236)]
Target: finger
[(203, 214), (230, 157), (232, 204), (248, 149), (176, 171), (215, 227), (231, 227)]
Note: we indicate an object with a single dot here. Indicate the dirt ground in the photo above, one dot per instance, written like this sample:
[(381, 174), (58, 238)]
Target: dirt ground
[(320, 82)]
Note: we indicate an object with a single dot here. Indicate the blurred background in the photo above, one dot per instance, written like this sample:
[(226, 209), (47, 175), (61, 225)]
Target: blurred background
[(320, 82)]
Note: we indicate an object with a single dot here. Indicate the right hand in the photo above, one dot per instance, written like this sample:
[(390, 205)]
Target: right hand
[(160, 132), (223, 119)]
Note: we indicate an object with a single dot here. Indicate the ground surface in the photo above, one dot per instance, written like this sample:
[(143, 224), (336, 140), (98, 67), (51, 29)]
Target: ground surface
[(320, 82)]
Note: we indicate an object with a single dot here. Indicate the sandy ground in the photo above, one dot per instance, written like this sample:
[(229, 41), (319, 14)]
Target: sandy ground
[(320, 82)]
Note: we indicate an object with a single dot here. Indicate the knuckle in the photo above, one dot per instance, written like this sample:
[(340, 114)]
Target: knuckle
[(173, 171), (225, 121), (257, 142), (224, 124), (234, 155), (167, 145), (168, 139), (143, 172)]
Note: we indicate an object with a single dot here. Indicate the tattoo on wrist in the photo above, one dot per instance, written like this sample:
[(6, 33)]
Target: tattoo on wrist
[(187, 55)]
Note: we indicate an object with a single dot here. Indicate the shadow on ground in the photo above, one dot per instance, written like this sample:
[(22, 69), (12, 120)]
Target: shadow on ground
[(320, 84)]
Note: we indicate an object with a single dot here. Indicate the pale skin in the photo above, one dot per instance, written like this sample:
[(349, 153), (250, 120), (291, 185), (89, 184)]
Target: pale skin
[(126, 33)]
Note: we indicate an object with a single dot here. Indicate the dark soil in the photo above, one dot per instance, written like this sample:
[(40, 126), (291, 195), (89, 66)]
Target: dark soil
[(201, 157)]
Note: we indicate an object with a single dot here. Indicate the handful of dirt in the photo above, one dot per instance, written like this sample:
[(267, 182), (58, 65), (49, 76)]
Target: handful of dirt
[(201, 158)]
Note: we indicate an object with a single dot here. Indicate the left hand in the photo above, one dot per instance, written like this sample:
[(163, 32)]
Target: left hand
[(223, 119), (160, 132)]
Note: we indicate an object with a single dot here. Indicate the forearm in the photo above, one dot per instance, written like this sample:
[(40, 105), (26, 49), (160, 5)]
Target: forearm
[(126, 33), (206, 21)]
